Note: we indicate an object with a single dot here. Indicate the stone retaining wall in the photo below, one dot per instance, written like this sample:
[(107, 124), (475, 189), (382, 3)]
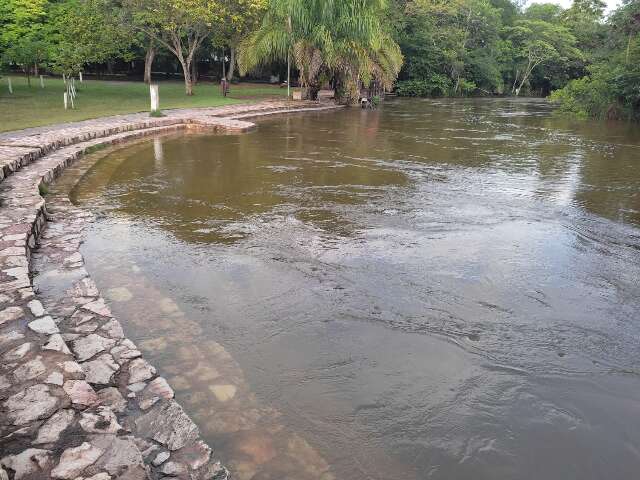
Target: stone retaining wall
[(77, 400)]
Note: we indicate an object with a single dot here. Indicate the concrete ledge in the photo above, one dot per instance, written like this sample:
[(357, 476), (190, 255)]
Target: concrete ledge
[(77, 400)]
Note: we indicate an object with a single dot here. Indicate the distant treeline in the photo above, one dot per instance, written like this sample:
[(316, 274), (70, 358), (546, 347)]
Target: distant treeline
[(590, 62)]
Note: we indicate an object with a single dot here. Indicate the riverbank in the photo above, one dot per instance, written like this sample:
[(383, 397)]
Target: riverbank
[(78, 399), (35, 106)]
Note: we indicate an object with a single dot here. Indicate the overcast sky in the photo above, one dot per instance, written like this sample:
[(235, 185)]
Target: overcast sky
[(611, 4)]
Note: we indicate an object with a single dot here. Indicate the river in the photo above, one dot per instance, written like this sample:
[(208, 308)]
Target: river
[(437, 289)]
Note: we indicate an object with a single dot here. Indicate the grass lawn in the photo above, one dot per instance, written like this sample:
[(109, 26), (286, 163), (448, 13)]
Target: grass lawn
[(32, 107)]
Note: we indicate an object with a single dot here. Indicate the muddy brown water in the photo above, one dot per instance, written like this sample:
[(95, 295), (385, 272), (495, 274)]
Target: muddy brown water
[(431, 290)]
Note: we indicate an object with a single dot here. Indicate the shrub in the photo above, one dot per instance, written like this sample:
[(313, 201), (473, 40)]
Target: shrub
[(466, 87), (436, 86), (413, 88), (95, 148), (585, 97), (611, 91)]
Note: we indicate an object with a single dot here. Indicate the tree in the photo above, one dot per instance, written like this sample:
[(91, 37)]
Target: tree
[(22, 41), (457, 39), (149, 56), (288, 33), (240, 19), (181, 26), (85, 31), (546, 12), (624, 25), (342, 38), (29, 51), (611, 88), (535, 43), (584, 21), (366, 54)]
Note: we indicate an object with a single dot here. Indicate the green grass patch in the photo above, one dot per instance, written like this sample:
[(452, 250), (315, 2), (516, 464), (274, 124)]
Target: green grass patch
[(34, 106), (157, 114), (43, 189), (95, 148)]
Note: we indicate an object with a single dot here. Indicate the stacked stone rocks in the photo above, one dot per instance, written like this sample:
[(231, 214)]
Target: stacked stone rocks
[(77, 400)]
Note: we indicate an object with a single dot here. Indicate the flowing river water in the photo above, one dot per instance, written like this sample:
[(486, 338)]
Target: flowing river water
[(431, 290)]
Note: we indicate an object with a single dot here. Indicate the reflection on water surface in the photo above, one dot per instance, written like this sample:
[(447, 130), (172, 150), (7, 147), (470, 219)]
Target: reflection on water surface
[(436, 289)]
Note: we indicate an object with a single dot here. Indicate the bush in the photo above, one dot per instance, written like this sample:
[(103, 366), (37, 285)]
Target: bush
[(574, 97), (611, 91), (413, 88), (95, 148), (436, 86), (587, 97), (466, 87)]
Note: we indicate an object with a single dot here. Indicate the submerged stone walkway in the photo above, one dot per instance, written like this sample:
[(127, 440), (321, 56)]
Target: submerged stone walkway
[(77, 400)]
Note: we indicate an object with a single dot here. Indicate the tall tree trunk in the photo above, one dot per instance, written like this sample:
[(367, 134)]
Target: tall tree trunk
[(109, 67), (184, 62), (346, 90), (525, 75), (311, 92), (515, 81), (232, 63), (148, 62), (224, 66), (186, 70), (524, 79), (194, 71), (36, 71)]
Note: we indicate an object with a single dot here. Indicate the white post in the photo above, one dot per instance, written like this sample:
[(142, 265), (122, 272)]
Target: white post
[(155, 98), (41, 81), (80, 77), (64, 78), (10, 87), (65, 96)]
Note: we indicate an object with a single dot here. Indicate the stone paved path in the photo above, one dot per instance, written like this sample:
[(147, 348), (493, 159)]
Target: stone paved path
[(77, 400)]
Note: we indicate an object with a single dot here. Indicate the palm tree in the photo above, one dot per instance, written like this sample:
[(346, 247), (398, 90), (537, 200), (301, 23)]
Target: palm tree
[(287, 33), (364, 51), (375, 64), (325, 38)]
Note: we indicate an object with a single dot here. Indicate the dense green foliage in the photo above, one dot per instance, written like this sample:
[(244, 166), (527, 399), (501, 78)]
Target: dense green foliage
[(464, 47), (611, 87), (437, 85), (590, 62)]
